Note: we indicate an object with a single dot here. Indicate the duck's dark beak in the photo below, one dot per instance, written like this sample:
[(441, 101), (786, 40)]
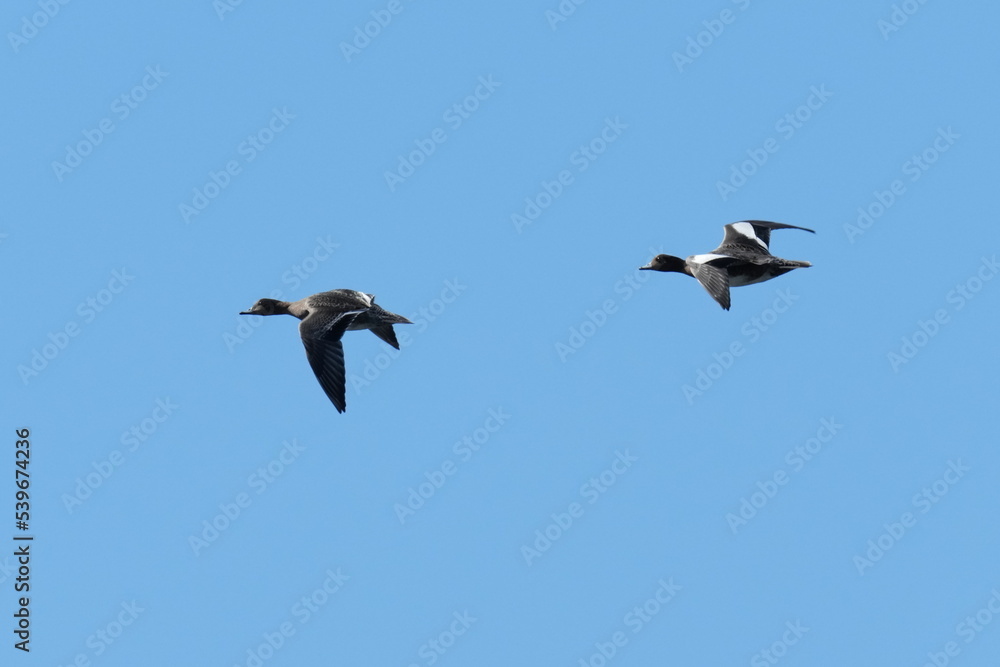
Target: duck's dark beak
[(248, 312)]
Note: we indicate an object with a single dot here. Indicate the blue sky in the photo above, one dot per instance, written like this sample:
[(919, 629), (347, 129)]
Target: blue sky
[(568, 462)]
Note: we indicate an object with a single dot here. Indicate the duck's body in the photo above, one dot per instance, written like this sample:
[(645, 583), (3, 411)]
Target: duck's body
[(325, 317), (743, 258)]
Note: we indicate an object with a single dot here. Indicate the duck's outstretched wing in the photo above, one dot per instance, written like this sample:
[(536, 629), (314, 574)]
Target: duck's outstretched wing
[(752, 235), (715, 280), (321, 334)]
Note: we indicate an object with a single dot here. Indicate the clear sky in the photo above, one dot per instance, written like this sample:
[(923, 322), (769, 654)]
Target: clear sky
[(569, 462)]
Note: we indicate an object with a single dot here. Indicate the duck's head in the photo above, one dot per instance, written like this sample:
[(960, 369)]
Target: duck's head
[(267, 307), (665, 263)]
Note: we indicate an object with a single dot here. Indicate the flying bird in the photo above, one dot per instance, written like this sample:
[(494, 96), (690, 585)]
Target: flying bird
[(325, 317), (743, 258)]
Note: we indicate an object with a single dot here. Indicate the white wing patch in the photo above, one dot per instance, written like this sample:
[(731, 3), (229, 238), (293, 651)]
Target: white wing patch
[(704, 259), (368, 299), (746, 229)]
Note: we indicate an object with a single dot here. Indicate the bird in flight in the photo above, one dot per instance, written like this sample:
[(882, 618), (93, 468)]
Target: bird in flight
[(743, 258), (325, 317)]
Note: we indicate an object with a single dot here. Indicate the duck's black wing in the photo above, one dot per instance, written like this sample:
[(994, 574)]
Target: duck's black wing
[(321, 333), (751, 236), (715, 279)]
